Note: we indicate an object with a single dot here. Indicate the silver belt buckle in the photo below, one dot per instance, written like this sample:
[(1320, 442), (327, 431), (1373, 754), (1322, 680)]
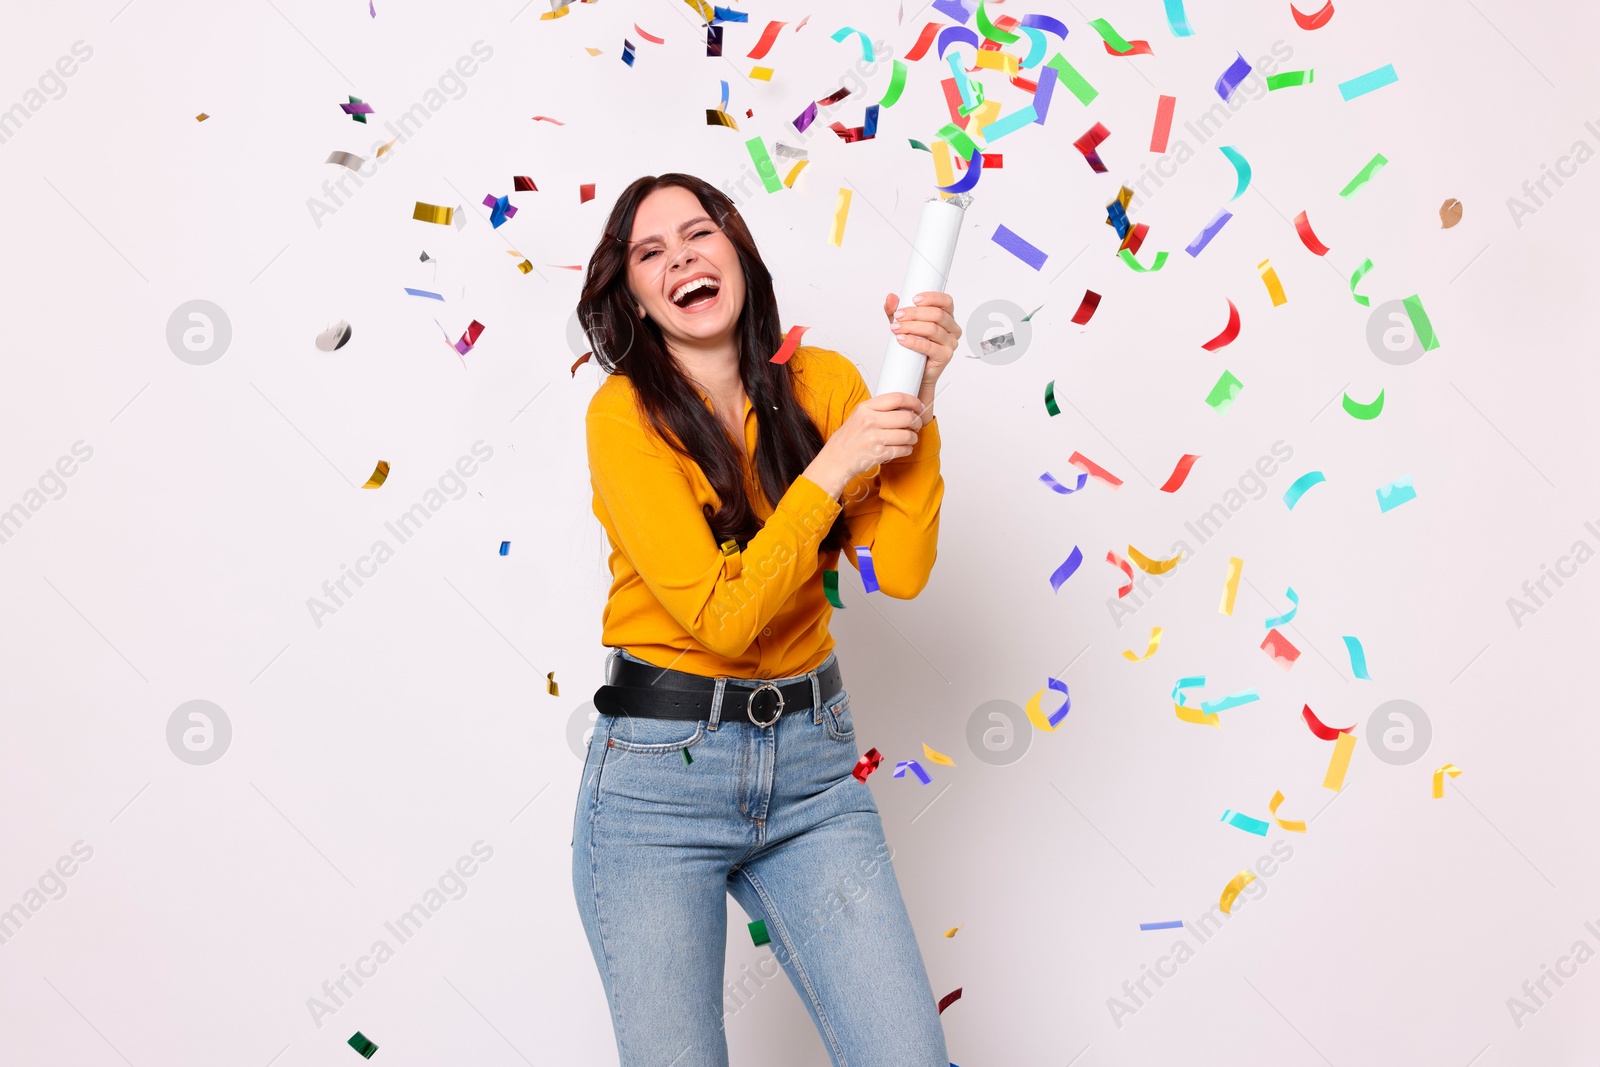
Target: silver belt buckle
[(749, 703)]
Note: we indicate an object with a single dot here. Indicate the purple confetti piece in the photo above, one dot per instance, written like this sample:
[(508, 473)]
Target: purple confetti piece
[(957, 35), (807, 117), (1042, 95), (1024, 251), (967, 180), (1046, 23), (916, 769), (954, 9), (1232, 77), (1214, 227), (869, 577), (1068, 568), (1049, 480), (1175, 924), (1066, 703)]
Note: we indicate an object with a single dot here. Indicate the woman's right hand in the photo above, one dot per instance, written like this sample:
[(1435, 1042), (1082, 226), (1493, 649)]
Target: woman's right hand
[(879, 429)]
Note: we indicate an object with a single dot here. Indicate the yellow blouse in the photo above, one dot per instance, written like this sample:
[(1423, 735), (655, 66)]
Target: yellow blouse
[(676, 601)]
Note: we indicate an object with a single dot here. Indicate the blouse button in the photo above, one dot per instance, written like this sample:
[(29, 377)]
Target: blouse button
[(766, 631)]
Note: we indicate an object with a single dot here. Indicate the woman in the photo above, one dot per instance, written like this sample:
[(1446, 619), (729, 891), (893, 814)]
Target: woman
[(721, 761)]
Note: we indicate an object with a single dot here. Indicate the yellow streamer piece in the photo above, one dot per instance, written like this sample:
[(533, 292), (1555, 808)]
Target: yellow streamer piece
[(840, 213), (762, 74), (1196, 716), (1230, 588), (1340, 762), (1155, 643), (985, 115), (952, 931), (1274, 286), (1438, 778), (379, 475), (1231, 891), (1036, 713), (557, 13), (433, 213), (1292, 825), (944, 171), (386, 147), (701, 8), (1152, 566), (794, 172), (550, 684), (988, 59), (937, 757)]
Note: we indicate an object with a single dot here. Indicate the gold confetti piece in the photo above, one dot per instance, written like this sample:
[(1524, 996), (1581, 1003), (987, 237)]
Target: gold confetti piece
[(203, 116), (524, 266), (550, 684), (1340, 762), (1438, 778), (433, 213), (388, 146), (1269, 277), (1230, 588), (1231, 892), (1450, 212), (1152, 566), (1155, 643), (944, 171), (937, 757), (1196, 716), (763, 74), (985, 115), (718, 117), (1009, 64), (840, 213), (557, 13), (379, 476), (701, 8), (794, 173), (1292, 825), (594, 51), (952, 931), (1036, 713)]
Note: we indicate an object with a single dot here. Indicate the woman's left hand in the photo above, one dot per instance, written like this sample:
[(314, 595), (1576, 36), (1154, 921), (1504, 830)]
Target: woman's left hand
[(928, 326)]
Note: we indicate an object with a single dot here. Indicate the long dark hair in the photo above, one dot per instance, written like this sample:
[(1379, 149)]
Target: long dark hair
[(787, 439)]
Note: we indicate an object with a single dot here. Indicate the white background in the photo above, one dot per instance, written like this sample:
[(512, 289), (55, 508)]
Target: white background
[(369, 752)]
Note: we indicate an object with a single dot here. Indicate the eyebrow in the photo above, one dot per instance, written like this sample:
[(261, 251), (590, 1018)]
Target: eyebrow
[(685, 226)]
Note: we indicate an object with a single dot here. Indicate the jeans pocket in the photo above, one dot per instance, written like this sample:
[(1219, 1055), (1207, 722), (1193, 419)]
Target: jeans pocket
[(836, 718), (632, 733)]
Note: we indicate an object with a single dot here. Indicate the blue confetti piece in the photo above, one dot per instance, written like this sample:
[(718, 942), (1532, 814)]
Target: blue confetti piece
[(1279, 620), (1214, 227), (1292, 495), (1366, 83), (1068, 568), (505, 548), (1177, 21), (1245, 823), (954, 9), (915, 768), (1396, 493), (728, 14), (1047, 479), (1236, 73), (1232, 700), (1175, 924), (1192, 682), (1358, 658), (1005, 238), (869, 577), (424, 292)]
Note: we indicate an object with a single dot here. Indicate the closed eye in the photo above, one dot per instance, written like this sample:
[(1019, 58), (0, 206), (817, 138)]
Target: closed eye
[(653, 251)]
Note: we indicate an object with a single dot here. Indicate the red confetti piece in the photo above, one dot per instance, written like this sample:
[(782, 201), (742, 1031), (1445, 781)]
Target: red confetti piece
[(867, 764), (523, 184), (1135, 237), (952, 97), (586, 192), (1126, 568), (581, 361), (1084, 463), (764, 45), (1135, 48), (1325, 733), (1280, 648), (1313, 21), (990, 159), (1179, 474), (1024, 84), (1302, 226), (791, 342), (1163, 130), (1089, 143), (924, 39), (1229, 332), (470, 338), (1085, 312), (547, 118), (949, 999), (652, 38)]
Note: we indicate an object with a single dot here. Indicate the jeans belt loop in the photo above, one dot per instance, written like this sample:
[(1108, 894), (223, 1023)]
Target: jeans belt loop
[(816, 696), (716, 702)]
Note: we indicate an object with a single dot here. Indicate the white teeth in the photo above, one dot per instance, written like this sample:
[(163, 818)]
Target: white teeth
[(684, 290)]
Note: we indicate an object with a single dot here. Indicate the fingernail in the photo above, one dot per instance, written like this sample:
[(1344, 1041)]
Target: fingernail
[(900, 314)]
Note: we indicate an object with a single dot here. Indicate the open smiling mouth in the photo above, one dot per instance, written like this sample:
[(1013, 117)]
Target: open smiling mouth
[(698, 295)]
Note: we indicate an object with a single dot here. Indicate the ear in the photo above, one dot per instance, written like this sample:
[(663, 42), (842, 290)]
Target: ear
[(641, 312)]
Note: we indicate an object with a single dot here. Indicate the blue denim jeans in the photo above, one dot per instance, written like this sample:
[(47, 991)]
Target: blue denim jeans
[(774, 817)]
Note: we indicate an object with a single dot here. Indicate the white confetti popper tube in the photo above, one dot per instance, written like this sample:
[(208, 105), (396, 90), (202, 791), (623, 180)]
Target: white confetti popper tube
[(927, 272)]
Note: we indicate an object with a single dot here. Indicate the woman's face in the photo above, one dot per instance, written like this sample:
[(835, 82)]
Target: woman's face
[(674, 241)]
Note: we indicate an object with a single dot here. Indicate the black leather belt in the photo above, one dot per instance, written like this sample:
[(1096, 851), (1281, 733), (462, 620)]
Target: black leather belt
[(659, 693)]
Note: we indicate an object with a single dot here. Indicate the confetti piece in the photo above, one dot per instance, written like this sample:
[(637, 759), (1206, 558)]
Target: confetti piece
[(1177, 21), (362, 1044), (1231, 891), (547, 118), (897, 85), (1323, 732), (1186, 683), (201, 117), (1049, 480), (1076, 83), (334, 337), (356, 109), (1153, 566), (794, 172), (433, 213), (1067, 569), (388, 146), (1438, 782), (1302, 226), (1050, 398), (1230, 588), (1160, 261), (1224, 393), (714, 117), (1116, 44), (841, 212), (866, 765), (505, 550), (952, 931), (523, 184), (1197, 717), (550, 685), (1358, 658), (1229, 334), (1314, 21), (1174, 924), (768, 36), (915, 768), (830, 587), (1396, 493), (1292, 495), (379, 475), (758, 930), (1339, 763), (1086, 309), (1125, 567), (791, 342), (424, 292), (764, 164), (1179, 474), (581, 361), (470, 337), (586, 192), (652, 38), (1093, 469), (1449, 213), (1155, 643), (992, 32), (1241, 169), (525, 266), (869, 576), (500, 209), (952, 996), (1365, 412), (1214, 227), (1280, 648), (1421, 323), (937, 757), (868, 54), (1232, 700), (1237, 71), (953, 8), (1355, 280), (1368, 82), (559, 12), (728, 14), (998, 343), (1089, 144), (687, 759), (1244, 822), (1162, 132), (1374, 165), (1005, 238), (1035, 711), (627, 51), (1269, 278), (1294, 826)]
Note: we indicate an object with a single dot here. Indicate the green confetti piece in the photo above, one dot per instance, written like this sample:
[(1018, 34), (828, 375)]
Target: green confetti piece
[(918, 144), (897, 85), (1374, 165), (993, 32), (973, 96), (764, 167), (1355, 280), (1127, 257), (1050, 397), (830, 589), (1224, 393), (1032, 313), (360, 1043), (1289, 79), (1364, 412), (1421, 323), (1076, 83), (957, 138), (687, 759), (758, 932), (1110, 36)]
